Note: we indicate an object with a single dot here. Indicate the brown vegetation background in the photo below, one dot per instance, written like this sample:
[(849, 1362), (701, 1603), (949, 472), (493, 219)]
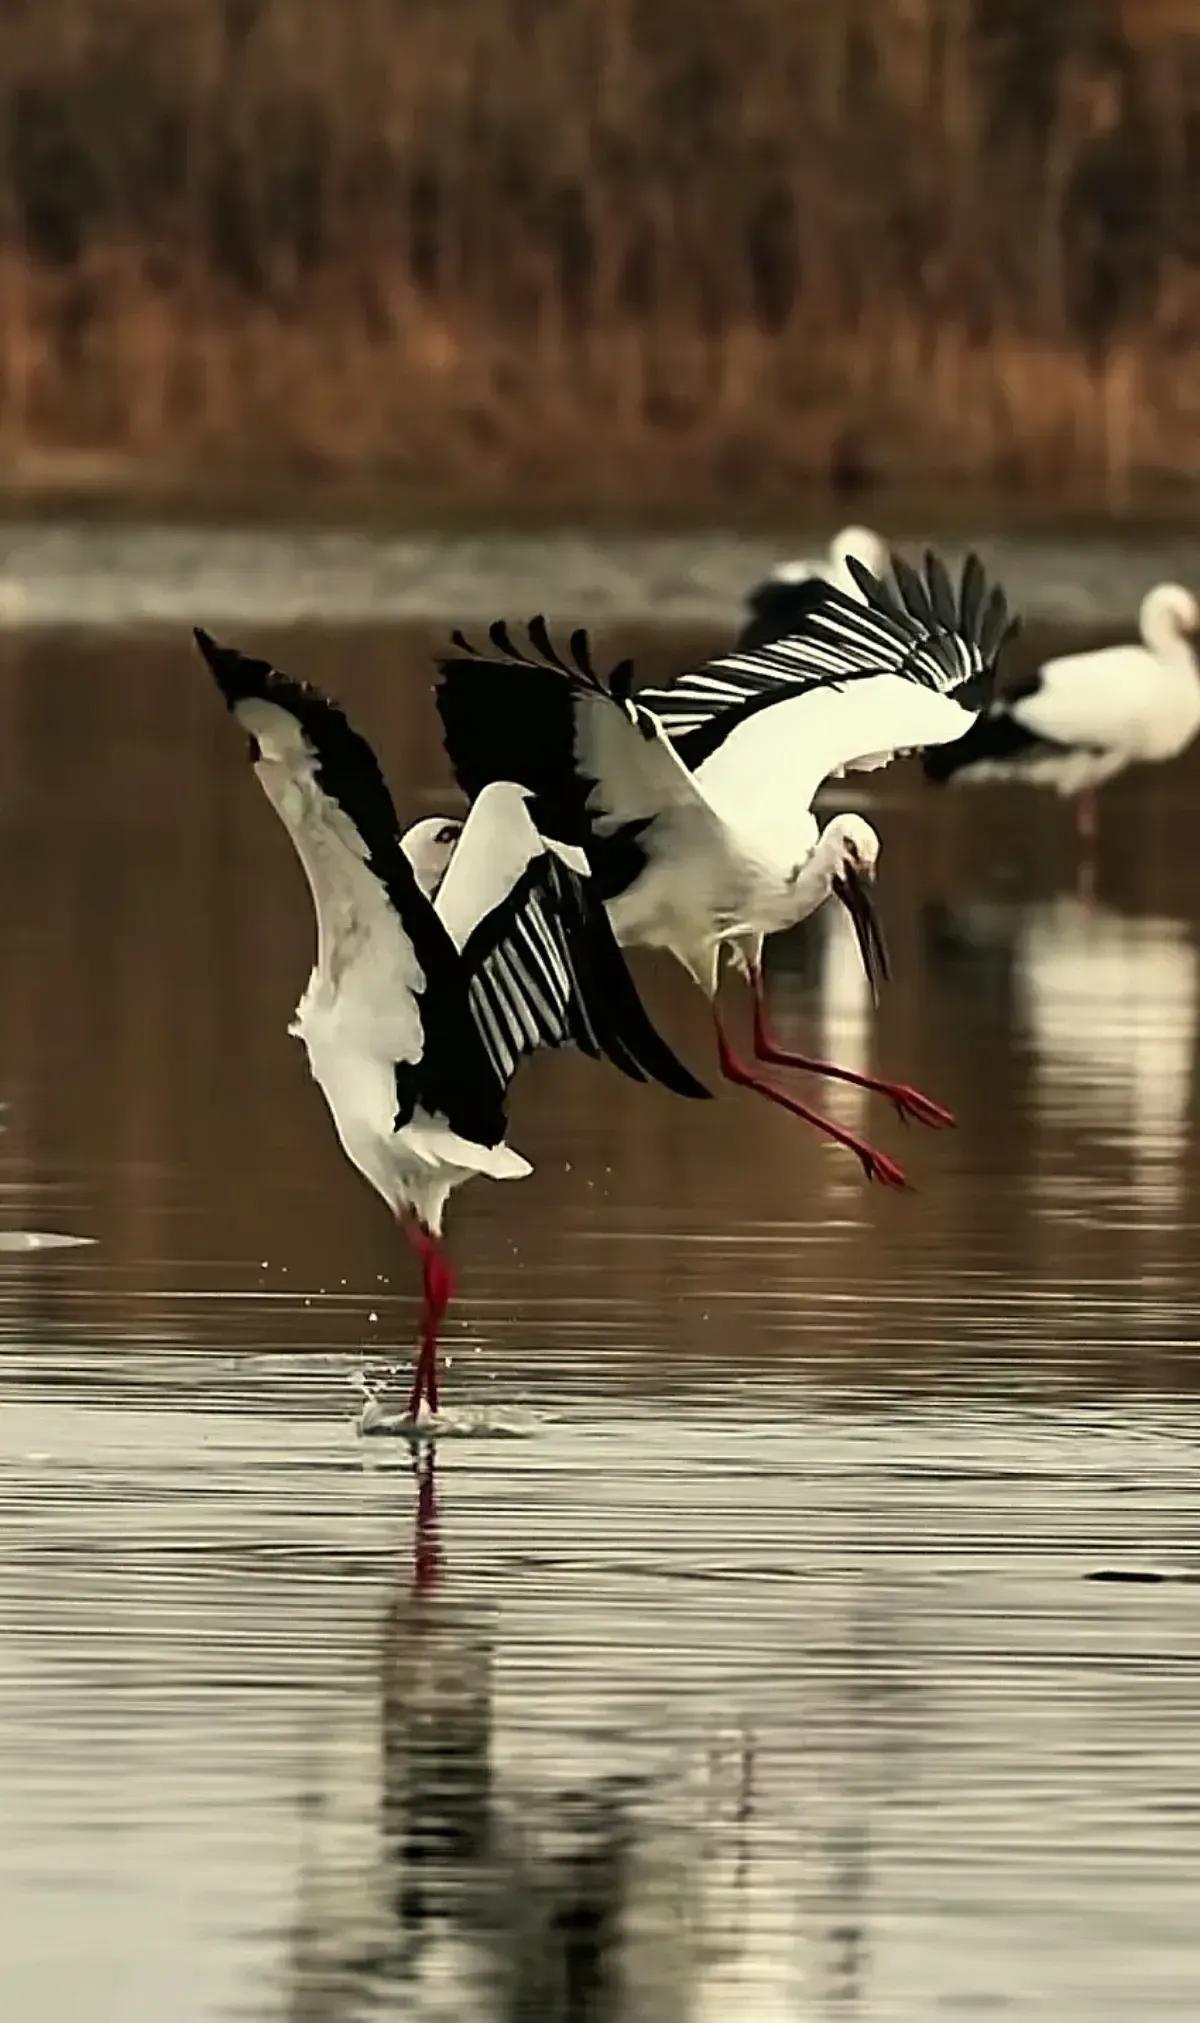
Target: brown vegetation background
[(609, 248)]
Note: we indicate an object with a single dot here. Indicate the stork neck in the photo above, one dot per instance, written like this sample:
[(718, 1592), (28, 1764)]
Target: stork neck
[(1165, 637), (814, 879)]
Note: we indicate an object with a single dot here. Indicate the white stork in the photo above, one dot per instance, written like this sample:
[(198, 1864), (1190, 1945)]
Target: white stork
[(779, 598), (693, 803), (1078, 719), (418, 1011)]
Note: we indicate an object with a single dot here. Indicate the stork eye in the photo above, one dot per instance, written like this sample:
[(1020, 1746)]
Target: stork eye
[(449, 834)]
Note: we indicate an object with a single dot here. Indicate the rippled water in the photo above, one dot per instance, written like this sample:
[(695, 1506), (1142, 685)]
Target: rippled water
[(825, 1638)]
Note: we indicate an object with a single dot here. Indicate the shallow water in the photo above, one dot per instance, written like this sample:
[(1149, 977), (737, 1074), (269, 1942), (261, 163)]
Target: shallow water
[(823, 1637), (73, 571)]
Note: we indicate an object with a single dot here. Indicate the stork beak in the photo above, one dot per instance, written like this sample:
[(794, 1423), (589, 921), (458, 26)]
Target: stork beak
[(854, 891)]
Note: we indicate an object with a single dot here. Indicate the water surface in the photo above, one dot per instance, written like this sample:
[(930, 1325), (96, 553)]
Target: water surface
[(827, 1644), (68, 571)]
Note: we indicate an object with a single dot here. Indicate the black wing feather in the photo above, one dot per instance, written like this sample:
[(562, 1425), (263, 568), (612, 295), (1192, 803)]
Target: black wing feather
[(581, 654), (499, 635), (880, 592), (841, 640), (554, 924), (970, 598), (620, 681), (540, 640), (495, 728), (941, 592), (452, 1075), (994, 628), (912, 591)]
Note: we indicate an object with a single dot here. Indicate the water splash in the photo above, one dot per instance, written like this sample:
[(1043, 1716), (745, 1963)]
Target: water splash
[(461, 1422)]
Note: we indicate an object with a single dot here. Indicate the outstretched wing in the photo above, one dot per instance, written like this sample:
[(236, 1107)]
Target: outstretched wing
[(600, 771), (856, 684), (923, 633), (543, 966), (402, 995)]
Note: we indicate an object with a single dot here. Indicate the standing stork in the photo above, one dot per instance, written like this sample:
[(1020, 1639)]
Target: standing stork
[(419, 1010), (1078, 719), (692, 804), (774, 603)]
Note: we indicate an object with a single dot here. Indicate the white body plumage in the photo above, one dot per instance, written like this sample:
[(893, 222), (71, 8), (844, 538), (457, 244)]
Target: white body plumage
[(1086, 716)]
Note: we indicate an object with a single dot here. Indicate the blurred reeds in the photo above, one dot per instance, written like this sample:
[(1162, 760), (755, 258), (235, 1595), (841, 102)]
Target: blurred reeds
[(605, 247)]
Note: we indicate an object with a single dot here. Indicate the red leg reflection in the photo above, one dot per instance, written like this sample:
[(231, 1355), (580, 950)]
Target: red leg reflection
[(427, 1551)]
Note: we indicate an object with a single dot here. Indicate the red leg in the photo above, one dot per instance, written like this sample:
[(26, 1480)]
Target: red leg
[(1086, 823), (876, 1165), (909, 1102), (438, 1285)]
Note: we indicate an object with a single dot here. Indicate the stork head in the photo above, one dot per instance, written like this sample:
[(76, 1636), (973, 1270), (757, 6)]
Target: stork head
[(1169, 613), (853, 851), (429, 846), (853, 847)]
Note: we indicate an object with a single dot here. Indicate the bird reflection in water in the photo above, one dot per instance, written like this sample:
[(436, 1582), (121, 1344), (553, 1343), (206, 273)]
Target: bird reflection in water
[(1104, 1002), (427, 1549), (523, 1903), (455, 1879), (482, 1857)]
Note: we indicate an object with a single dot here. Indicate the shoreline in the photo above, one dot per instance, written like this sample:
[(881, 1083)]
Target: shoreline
[(103, 486)]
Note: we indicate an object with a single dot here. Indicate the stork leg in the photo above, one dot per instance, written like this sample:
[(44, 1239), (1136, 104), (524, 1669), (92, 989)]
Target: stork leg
[(908, 1102), (876, 1165), (437, 1288), (1085, 815)]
